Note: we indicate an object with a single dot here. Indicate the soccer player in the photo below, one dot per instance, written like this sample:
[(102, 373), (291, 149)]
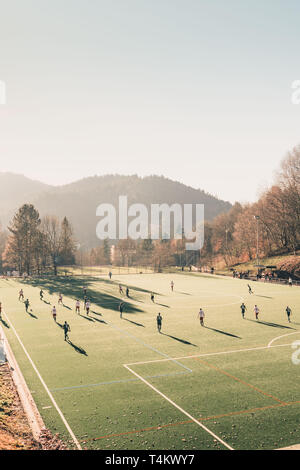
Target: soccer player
[(290, 282), (201, 316), (84, 292), (121, 289), (288, 312), (66, 328), (77, 307), (88, 306), (41, 294), (54, 313), (172, 286), (27, 304), (243, 309), (249, 289), (152, 297), (121, 308), (110, 274), (159, 322), (21, 295), (85, 301), (60, 299), (256, 311), (127, 292)]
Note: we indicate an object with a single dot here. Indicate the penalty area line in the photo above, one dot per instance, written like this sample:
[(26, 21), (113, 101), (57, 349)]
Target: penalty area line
[(220, 353), (283, 336), (45, 386), (179, 408)]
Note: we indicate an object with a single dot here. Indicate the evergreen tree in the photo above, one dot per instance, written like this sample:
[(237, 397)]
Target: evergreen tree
[(67, 244), (24, 239)]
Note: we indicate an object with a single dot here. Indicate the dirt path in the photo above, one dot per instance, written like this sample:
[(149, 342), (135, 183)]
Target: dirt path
[(15, 432)]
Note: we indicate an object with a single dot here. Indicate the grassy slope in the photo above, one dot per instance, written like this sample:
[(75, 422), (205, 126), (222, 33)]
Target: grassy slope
[(103, 343), (250, 265)]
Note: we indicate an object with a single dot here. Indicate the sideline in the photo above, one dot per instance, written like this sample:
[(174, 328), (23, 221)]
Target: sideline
[(45, 386), (32, 413)]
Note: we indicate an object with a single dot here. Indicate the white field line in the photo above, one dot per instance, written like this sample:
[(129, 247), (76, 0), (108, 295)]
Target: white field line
[(121, 381), (196, 305), (208, 354), (212, 294), (168, 358), (45, 387), (283, 336), (180, 409), (137, 340)]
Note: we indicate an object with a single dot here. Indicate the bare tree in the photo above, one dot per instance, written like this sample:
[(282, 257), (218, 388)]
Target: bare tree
[(51, 228)]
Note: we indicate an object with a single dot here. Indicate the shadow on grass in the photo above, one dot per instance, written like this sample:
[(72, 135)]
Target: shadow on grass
[(133, 288), (97, 313), (183, 341), (162, 305), (86, 317), (73, 288), (77, 348), (99, 321), (223, 332), (32, 315), (264, 296), (272, 325), (4, 323), (134, 322)]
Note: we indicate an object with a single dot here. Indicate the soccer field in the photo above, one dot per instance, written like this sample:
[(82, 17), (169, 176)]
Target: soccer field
[(119, 384)]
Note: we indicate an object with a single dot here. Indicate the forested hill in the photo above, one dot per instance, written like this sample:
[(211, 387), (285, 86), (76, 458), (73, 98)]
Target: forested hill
[(79, 200)]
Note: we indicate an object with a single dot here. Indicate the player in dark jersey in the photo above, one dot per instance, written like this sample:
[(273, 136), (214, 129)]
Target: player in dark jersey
[(159, 322), (288, 312), (121, 308), (66, 329), (243, 309)]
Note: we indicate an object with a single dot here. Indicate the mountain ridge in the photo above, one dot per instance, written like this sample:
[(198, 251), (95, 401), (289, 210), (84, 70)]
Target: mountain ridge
[(78, 200)]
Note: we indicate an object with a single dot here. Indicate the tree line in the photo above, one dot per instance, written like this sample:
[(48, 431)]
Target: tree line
[(231, 237), (33, 245), (276, 216)]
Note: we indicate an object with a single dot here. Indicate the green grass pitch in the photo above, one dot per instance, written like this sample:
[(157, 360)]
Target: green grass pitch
[(119, 384)]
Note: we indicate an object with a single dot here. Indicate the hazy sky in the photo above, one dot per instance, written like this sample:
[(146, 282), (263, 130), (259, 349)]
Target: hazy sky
[(199, 91)]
